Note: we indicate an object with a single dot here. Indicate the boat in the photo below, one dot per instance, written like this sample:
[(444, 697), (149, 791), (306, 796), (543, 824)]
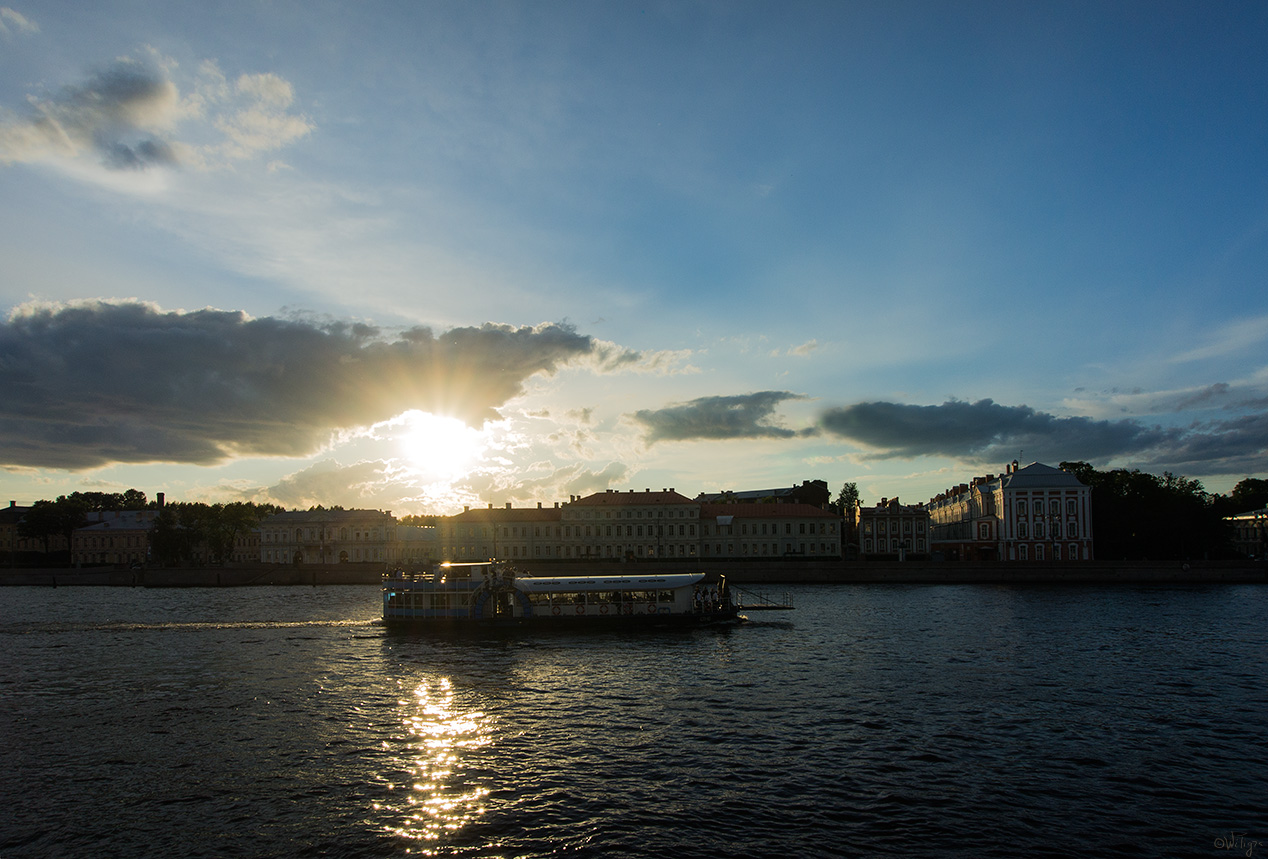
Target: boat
[(493, 592)]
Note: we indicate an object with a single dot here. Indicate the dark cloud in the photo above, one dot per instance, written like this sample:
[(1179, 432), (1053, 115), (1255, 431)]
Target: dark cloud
[(96, 383), (117, 113), (985, 431), (744, 416)]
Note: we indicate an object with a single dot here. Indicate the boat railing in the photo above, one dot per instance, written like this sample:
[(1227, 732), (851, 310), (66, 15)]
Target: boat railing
[(754, 601)]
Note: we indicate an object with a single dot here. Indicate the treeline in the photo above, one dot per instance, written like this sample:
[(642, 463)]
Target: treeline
[(182, 531), (1142, 516), (204, 532)]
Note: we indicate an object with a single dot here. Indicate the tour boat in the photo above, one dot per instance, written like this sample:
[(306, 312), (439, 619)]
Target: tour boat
[(492, 592)]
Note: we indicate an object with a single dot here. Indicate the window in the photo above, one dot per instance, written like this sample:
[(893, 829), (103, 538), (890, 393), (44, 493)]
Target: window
[(1021, 508), (1021, 530)]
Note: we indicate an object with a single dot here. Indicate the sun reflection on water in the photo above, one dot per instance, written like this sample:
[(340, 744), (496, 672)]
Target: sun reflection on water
[(437, 802)]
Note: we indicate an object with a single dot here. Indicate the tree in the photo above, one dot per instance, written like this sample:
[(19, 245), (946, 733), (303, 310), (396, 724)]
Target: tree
[(847, 499), (1249, 494), (1141, 516)]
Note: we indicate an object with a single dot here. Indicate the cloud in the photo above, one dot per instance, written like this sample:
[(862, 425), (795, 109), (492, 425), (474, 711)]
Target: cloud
[(743, 416), (802, 351), (130, 115), (14, 22), (94, 383), (985, 431), (329, 483)]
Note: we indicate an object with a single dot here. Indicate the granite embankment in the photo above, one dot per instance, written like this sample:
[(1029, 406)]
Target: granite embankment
[(738, 571)]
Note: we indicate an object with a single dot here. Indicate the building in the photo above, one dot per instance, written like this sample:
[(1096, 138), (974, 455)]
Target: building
[(10, 542), (964, 522), (622, 526), (770, 531), (498, 532), (812, 492), (119, 537), (415, 546), (1035, 513), (1250, 533), (893, 530), (328, 537)]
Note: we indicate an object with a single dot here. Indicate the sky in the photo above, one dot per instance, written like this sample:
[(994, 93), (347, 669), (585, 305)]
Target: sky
[(413, 256)]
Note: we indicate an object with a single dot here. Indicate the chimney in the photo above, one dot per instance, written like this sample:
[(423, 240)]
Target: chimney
[(466, 508), (159, 498), (508, 505), (539, 505)]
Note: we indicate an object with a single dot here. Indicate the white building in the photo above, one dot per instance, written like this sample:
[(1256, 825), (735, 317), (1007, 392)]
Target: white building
[(1036, 513)]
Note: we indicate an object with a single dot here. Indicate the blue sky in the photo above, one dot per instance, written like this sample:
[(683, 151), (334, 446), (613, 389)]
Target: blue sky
[(418, 255)]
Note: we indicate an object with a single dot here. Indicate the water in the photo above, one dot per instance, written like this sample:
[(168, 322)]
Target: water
[(872, 721)]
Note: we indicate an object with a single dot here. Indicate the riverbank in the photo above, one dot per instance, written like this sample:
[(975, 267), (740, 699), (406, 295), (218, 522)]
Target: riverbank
[(736, 571)]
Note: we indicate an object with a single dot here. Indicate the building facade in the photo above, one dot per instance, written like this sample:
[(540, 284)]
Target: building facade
[(1035, 513), (113, 537), (615, 526), (1250, 533), (893, 530), (327, 537)]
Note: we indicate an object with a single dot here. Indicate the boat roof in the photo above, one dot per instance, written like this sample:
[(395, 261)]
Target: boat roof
[(607, 583)]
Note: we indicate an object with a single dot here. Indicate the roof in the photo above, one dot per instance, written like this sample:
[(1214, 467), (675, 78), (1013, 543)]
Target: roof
[(807, 487), (1039, 476), (325, 516), (767, 511), (123, 520), (613, 498), (506, 514)]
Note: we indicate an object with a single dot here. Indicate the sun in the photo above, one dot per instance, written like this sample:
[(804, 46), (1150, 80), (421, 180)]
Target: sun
[(439, 447)]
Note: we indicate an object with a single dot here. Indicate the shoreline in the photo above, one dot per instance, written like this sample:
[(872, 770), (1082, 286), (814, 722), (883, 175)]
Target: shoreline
[(742, 572)]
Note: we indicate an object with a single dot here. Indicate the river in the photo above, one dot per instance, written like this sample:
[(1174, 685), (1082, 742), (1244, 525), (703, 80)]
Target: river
[(874, 720)]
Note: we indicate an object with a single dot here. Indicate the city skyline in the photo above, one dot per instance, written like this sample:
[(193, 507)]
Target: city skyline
[(422, 256)]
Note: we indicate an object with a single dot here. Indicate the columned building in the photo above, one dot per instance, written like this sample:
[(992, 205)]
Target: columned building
[(327, 537), (1036, 513)]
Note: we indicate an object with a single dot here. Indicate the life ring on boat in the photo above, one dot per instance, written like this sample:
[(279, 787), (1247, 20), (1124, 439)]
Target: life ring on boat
[(603, 609), (555, 610), (651, 608)]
